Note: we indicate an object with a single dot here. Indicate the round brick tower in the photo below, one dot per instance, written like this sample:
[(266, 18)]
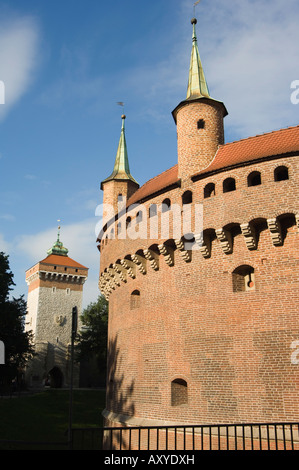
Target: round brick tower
[(205, 331), (199, 120)]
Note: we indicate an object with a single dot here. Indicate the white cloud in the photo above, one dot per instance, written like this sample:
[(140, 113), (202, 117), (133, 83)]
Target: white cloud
[(18, 55), (250, 56), (79, 238), (4, 245), (8, 217), (29, 176)]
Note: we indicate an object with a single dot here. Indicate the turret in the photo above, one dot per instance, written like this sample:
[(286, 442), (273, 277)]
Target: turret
[(120, 185), (199, 120)]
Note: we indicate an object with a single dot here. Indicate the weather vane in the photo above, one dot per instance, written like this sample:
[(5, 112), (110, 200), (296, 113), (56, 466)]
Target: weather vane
[(122, 104), (196, 3)]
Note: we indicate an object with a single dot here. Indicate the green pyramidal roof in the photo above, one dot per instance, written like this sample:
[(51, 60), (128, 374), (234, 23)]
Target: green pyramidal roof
[(197, 89), (197, 85), (58, 248), (121, 170)]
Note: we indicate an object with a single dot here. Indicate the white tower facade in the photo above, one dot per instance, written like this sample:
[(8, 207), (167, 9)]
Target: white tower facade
[(55, 286)]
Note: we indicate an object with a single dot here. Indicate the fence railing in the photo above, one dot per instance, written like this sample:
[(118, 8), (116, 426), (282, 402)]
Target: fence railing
[(256, 436)]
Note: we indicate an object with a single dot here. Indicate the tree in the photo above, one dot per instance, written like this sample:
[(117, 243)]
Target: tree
[(92, 342), (18, 344)]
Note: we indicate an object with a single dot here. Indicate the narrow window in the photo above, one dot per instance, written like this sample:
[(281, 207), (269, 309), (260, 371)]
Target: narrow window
[(179, 392), (68, 290), (152, 210), (200, 124), (209, 190), (128, 222), (135, 299), (53, 290), (139, 217), (254, 179), (65, 269), (118, 228), (281, 173), (229, 185), (187, 197), (243, 279), (166, 205)]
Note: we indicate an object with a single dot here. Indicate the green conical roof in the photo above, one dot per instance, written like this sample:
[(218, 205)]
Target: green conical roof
[(121, 170), (197, 85), (58, 248)]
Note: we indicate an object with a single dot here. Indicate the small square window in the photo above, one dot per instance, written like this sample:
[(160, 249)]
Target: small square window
[(200, 124)]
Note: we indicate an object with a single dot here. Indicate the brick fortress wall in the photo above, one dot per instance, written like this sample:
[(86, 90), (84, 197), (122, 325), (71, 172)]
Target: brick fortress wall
[(193, 343)]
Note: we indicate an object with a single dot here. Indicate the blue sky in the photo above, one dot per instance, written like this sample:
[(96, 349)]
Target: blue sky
[(65, 65)]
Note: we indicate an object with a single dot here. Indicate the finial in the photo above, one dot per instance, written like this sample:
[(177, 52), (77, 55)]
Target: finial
[(197, 85), (58, 248), (58, 234)]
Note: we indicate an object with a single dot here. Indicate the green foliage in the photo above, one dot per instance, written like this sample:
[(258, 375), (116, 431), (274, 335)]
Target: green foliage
[(18, 343), (92, 341), (6, 278)]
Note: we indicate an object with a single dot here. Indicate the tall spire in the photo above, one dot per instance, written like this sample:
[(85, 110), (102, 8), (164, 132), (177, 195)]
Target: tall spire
[(58, 248), (121, 170), (197, 85)]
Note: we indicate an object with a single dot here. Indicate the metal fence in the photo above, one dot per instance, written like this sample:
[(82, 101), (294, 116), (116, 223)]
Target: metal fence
[(257, 436)]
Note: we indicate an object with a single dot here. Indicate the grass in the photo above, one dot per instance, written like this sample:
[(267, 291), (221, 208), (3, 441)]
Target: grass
[(44, 417)]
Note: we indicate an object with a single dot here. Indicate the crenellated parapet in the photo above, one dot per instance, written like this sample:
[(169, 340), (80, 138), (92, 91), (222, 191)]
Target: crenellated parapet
[(149, 258)]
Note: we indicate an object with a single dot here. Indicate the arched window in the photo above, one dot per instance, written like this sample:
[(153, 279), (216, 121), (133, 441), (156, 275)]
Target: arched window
[(187, 197), (135, 299), (128, 222), (179, 392), (121, 202), (243, 279), (152, 212), (281, 173), (166, 205), (118, 228), (209, 190), (229, 185), (139, 217), (254, 178)]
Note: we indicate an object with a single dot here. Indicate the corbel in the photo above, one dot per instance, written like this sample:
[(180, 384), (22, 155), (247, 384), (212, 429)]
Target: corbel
[(225, 239), (249, 236), (275, 231), (152, 258), (181, 247), (204, 244), (140, 263), (167, 252)]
